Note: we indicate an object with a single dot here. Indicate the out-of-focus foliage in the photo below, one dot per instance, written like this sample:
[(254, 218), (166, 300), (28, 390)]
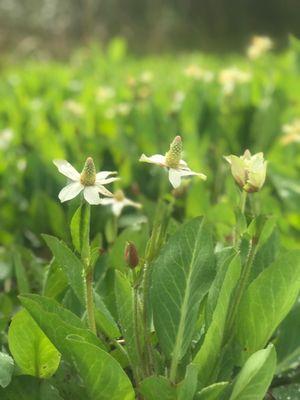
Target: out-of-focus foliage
[(113, 107)]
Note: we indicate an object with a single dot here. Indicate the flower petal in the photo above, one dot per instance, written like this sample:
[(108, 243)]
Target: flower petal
[(104, 174), (188, 172), (117, 207), (101, 189), (91, 195), (237, 169), (67, 169), (175, 177), (128, 202), (107, 201), (157, 159), (106, 181), (70, 191)]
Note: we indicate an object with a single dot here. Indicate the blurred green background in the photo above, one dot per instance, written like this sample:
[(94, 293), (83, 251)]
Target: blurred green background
[(113, 81)]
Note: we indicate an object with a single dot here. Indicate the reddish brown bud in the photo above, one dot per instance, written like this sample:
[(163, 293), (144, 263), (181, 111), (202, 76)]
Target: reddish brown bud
[(131, 255)]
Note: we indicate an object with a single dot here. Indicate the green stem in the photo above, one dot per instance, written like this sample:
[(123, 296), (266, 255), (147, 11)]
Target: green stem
[(243, 201), (86, 259), (90, 309)]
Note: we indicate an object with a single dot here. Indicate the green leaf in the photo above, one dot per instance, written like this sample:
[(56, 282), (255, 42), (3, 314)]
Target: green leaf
[(267, 301), (104, 319), (125, 307), (57, 322), (70, 264), (256, 375), (56, 281), (286, 392), (75, 229), (102, 375), (212, 392), (6, 369), (182, 275), (30, 347), (157, 387), (29, 388), (207, 357), (288, 341), (22, 280), (187, 388)]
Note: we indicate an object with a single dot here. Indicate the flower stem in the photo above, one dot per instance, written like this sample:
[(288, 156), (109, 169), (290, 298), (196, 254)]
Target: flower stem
[(243, 201), (89, 272)]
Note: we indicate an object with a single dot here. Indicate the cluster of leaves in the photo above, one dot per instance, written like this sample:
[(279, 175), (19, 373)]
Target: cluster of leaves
[(203, 315)]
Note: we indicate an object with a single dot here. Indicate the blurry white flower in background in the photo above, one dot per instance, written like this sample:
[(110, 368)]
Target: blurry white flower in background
[(74, 107), (178, 100), (146, 77), (259, 46), (6, 137), (90, 182), (105, 93), (118, 202), (195, 72), (229, 78), (172, 161), (291, 132)]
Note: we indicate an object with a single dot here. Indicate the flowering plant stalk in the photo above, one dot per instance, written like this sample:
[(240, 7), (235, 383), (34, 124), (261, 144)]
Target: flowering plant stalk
[(175, 315)]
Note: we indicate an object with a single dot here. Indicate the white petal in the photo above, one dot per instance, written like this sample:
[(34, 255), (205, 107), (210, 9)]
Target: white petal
[(107, 201), (67, 169), (104, 174), (128, 202), (156, 159), (117, 207), (101, 189), (188, 172), (106, 181), (182, 163), (175, 177), (91, 195), (70, 191)]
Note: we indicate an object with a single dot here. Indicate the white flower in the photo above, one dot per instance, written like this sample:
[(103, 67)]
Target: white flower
[(6, 137), (259, 46), (105, 93), (231, 77), (291, 132), (194, 72), (74, 107), (248, 171), (172, 160), (118, 202), (90, 182)]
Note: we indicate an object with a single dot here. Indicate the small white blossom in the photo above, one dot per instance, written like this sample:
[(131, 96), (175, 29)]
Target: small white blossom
[(291, 132), (118, 202), (259, 45), (199, 74), (172, 161), (89, 182), (229, 78), (105, 93), (74, 107), (6, 137), (248, 171)]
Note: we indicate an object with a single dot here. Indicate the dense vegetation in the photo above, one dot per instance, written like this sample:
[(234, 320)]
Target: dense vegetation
[(113, 107)]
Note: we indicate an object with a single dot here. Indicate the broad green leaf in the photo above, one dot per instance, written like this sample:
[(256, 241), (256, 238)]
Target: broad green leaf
[(70, 264), (207, 357), (30, 347), (29, 388), (57, 322), (286, 392), (104, 319), (102, 375), (6, 369), (125, 306), (267, 301), (75, 229), (22, 279), (182, 275), (187, 388), (157, 387), (288, 341), (256, 375), (212, 392), (56, 281)]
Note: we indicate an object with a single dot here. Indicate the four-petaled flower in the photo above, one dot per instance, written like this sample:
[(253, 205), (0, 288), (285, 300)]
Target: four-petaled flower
[(172, 161), (118, 202), (248, 171), (90, 182)]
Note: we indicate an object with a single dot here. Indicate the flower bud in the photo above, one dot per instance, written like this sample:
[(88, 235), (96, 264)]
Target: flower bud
[(88, 174), (173, 156), (131, 255), (248, 171)]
